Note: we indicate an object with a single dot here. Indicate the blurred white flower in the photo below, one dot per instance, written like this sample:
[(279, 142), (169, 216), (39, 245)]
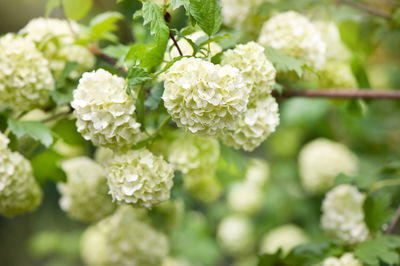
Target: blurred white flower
[(296, 36), (321, 160), (85, 194), (285, 237), (19, 191), (139, 178), (236, 234), (343, 215), (202, 97), (337, 75), (105, 113), (123, 239), (203, 185), (346, 259), (245, 197), (257, 172), (26, 80)]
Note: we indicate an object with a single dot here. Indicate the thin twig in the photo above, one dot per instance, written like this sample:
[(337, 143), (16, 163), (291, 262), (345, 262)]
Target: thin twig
[(393, 222), (76, 36), (96, 51), (365, 8), (341, 94), (57, 116), (171, 35)]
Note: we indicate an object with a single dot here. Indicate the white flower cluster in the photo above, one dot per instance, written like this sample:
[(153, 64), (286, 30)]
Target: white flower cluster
[(85, 194), (343, 216), (254, 125), (321, 160), (335, 48), (258, 73), (246, 196), (202, 97), (189, 152), (169, 261), (236, 234), (296, 36), (56, 39), (346, 259), (105, 113), (139, 178), (338, 75), (203, 185), (285, 237), (187, 49), (26, 80), (19, 191), (123, 239)]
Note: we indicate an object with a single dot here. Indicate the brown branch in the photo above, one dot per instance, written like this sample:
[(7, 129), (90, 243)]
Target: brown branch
[(393, 222), (171, 35), (340, 94), (365, 8), (94, 49)]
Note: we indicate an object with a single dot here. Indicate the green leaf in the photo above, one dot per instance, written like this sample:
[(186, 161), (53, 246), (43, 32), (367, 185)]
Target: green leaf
[(285, 63), (382, 249), (357, 107), (50, 5), (311, 253), (155, 96), (76, 9), (64, 86), (45, 166), (136, 76), (279, 88), (207, 14), (270, 259), (35, 129), (140, 107), (377, 211), (103, 24), (178, 3)]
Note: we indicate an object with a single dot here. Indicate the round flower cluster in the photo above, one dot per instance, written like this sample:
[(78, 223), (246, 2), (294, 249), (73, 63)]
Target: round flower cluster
[(56, 39), (139, 178), (346, 259), (254, 125), (343, 216), (258, 73), (123, 239), (296, 36), (257, 172), (85, 194), (105, 113), (245, 197), (337, 75), (202, 97), (19, 191), (285, 237), (236, 234), (187, 49), (203, 185), (192, 152), (321, 160), (26, 80)]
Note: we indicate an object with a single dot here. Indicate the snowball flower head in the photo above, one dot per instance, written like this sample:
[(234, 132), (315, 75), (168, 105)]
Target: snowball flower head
[(258, 172), (285, 237), (343, 216), (56, 39), (26, 80), (203, 185), (321, 160), (346, 259), (85, 194), (337, 75), (296, 36), (105, 113), (139, 178), (202, 97), (19, 191), (190, 152), (254, 125), (258, 73), (123, 239), (235, 234), (245, 197), (187, 49)]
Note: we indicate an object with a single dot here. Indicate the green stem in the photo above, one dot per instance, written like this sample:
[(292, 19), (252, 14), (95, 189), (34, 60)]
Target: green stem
[(209, 49), (162, 125), (7, 132)]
